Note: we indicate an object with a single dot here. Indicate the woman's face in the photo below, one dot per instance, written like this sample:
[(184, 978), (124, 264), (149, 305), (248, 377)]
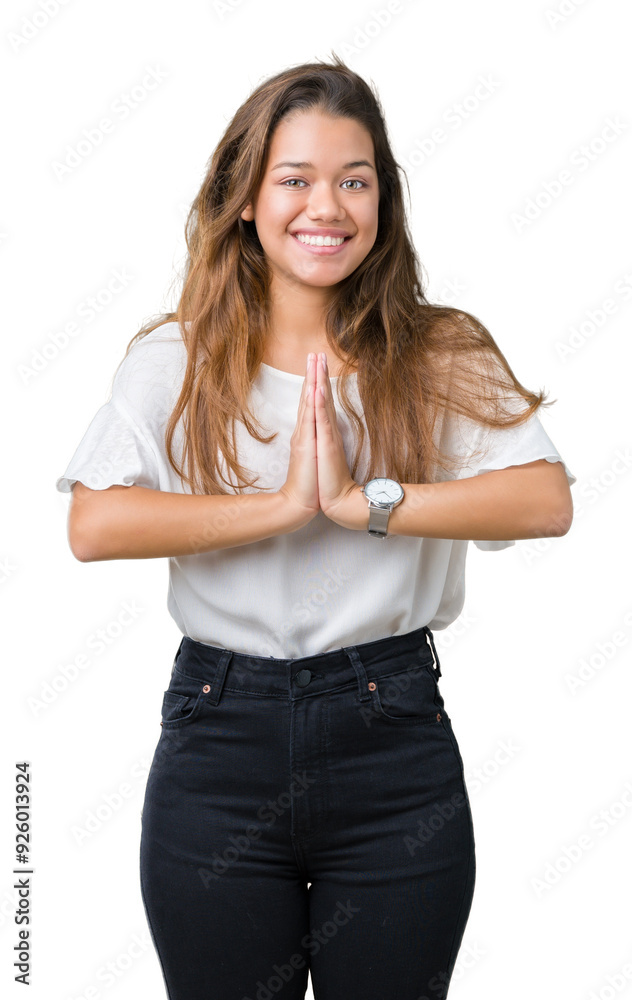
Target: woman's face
[(330, 187)]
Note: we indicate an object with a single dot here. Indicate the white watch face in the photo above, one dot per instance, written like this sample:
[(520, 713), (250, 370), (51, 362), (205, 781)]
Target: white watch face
[(383, 491)]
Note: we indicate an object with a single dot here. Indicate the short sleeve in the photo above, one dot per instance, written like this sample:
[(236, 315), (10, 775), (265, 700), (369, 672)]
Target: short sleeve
[(112, 451), (120, 445), (504, 447)]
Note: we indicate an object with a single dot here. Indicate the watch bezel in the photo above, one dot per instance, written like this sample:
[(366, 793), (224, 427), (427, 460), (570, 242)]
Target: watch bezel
[(383, 479)]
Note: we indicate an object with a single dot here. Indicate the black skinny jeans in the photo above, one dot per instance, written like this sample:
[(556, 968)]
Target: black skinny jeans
[(340, 770)]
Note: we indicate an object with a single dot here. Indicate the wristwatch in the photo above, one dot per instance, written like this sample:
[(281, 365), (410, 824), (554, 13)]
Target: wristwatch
[(383, 495)]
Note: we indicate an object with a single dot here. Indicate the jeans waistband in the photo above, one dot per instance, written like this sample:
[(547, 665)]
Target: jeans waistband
[(225, 669)]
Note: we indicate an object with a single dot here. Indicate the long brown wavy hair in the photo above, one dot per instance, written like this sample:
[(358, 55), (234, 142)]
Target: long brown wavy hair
[(413, 358)]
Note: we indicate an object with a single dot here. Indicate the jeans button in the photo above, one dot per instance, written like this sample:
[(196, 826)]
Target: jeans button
[(303, 677)]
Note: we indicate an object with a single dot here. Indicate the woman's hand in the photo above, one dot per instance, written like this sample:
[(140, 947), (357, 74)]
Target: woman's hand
[(318, 473), (336, 488), (301, 485)]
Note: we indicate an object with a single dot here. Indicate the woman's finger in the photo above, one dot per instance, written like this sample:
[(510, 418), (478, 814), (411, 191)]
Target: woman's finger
[(307, 420), (303, 400), (325, 398)]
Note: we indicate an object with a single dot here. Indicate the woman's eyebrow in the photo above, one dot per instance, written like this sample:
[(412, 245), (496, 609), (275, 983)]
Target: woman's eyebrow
[(305, 165)]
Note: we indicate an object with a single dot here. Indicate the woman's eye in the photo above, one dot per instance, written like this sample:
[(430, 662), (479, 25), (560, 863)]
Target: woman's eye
[(294, 181)]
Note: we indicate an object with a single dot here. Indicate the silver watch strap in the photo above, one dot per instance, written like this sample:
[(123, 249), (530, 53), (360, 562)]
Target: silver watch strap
[(378, 521)]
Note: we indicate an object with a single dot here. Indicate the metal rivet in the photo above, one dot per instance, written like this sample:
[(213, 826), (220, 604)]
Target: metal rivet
[(438, 716), (161, 723), (372, 685), (206, 688)]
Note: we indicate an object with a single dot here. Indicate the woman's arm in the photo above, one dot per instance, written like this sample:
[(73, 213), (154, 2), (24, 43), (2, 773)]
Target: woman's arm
[(133, 522), (522, 501)]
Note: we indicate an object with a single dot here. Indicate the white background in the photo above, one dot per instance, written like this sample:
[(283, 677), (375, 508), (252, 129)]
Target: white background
[(534, 613)]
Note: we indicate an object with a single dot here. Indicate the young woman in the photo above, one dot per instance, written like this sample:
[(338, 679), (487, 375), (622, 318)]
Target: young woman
[(305, 439)]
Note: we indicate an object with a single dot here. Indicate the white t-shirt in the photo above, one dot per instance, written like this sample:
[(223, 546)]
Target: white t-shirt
[(309, 591)]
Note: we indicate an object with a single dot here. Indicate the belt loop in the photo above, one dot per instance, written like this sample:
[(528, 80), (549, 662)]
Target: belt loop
[(358, 666), (434, 651), (175, 660), (220, 675)]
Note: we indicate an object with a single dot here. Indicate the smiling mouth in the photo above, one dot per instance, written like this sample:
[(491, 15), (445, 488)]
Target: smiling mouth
[(320, 241)]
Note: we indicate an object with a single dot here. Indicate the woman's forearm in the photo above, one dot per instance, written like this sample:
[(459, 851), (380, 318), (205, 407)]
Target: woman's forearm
[(524, 501), (532, 500), (133, 522)]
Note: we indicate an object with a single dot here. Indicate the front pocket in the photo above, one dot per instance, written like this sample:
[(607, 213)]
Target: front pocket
[(183, 700), (407, 698)]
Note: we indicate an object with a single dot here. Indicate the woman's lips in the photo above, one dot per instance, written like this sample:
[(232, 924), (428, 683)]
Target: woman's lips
[(323, 251)]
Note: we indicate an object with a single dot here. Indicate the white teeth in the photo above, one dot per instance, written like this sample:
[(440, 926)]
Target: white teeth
[(320, 241)]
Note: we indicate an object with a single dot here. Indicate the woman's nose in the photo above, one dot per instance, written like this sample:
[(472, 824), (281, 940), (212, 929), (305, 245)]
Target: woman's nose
[(324, 204)]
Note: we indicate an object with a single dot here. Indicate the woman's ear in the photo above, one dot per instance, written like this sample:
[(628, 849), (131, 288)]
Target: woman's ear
[(248, 213)]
